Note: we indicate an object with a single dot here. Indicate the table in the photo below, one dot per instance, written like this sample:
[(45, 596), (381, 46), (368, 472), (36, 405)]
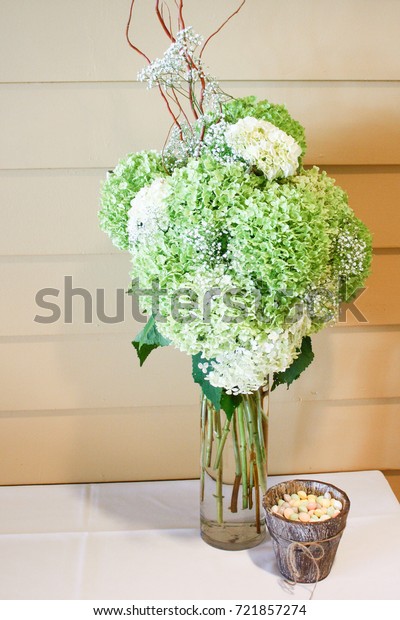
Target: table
[(132, 541)]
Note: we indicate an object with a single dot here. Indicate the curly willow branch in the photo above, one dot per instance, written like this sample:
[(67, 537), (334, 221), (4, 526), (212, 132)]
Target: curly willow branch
[(220, 28), (127, 35), (162, 21), (180, 8), (191, 64)]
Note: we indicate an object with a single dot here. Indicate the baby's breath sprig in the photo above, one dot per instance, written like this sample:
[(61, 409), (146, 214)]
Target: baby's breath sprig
[(180, 75)]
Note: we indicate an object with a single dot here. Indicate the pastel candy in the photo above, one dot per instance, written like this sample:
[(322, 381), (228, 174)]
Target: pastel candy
[(306, 508)]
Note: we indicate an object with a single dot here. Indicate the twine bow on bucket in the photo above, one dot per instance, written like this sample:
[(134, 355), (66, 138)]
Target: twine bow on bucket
[(313, 550)]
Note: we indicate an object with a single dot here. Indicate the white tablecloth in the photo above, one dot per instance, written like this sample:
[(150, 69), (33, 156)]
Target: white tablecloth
[(132, 541)]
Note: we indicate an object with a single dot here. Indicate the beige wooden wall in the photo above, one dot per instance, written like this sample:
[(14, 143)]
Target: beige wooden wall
[(74, 404)]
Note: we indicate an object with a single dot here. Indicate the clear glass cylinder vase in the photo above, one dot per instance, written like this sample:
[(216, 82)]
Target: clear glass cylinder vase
[(234, 473)]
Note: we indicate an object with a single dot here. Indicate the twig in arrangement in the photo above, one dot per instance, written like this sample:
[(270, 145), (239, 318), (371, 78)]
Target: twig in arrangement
[(235, 493), (139, 51), (171, 112), (220, 28), (181, 21), (128, 38), (175, 99), (164, 4), (162, 22), (192, 100)]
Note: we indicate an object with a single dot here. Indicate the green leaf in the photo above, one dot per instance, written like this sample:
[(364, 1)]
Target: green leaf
[(298, 365), (229, 402), (148, 339), (212, 393), (217, 396)]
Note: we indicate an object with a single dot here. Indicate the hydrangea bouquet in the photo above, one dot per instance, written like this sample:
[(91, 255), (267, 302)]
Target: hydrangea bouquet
[(239, 254)]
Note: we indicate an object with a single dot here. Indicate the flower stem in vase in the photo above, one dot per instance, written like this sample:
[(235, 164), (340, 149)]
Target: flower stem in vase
[(255, 438), (219, 469), (203, 444), (221, 445), (233, 468), (209, 434)]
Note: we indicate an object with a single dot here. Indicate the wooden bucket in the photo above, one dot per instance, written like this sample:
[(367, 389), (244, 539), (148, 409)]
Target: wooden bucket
[(305, 551)]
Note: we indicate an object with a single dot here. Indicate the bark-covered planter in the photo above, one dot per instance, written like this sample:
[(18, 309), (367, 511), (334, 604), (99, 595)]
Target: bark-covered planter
[(305, 551)]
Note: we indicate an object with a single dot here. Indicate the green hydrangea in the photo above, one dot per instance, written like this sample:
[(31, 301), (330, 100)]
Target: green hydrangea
[(350, 239), (130, 175), (231, 230)]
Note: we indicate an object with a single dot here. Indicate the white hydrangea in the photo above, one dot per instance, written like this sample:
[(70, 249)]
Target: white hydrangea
[(243, 370), (148, 212), (265, 146)]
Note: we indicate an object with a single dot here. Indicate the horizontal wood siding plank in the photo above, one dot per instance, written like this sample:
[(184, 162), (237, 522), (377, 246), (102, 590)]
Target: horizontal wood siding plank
[(102, 371), (99, 446), (374, 196), (30, 285), (119, 444), (75, 125), (349, 363), (27, 296), (61, 207), (334, 436), (379, 302), (79, 41)]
